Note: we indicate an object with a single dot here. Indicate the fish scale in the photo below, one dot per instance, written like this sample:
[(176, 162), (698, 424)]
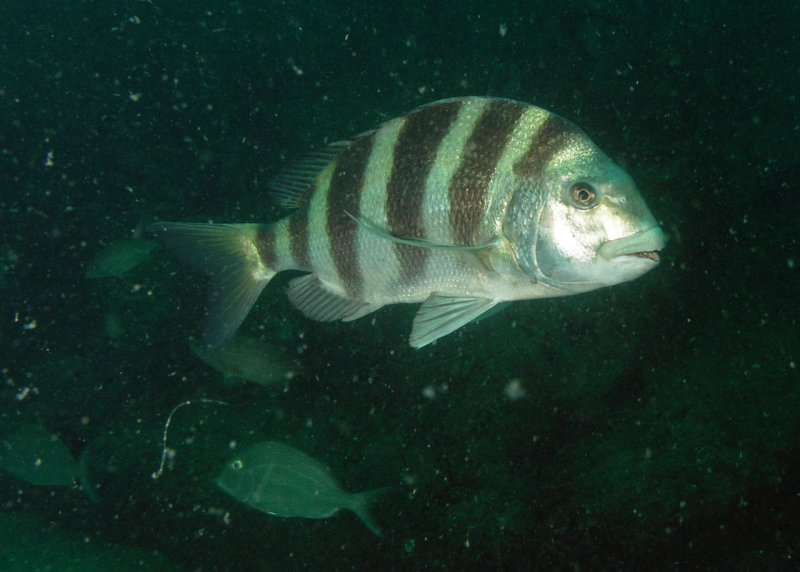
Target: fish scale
[(461, 204)]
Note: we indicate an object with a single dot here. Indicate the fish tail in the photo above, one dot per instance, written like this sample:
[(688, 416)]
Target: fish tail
[(361, 504), (237, 257), (83, 475)]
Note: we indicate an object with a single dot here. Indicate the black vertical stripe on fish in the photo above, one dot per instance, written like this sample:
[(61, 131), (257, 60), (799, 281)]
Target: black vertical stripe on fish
[(344, 195), (265, 244), (298, 239), (549, 139), (469, 186), (413, 158)]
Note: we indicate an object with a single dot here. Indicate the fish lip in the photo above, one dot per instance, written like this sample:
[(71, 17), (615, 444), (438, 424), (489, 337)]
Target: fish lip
[(641, 245)]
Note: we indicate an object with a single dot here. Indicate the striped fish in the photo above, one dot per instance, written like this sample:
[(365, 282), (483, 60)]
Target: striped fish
[(462, 204)]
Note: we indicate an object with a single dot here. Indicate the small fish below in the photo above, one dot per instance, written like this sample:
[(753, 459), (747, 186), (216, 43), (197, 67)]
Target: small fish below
[(119, 257), (280, 480), (38, 457), (243, 359), (460, 205)]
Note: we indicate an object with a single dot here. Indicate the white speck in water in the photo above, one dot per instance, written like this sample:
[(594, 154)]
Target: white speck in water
[(295, 68), (514, 390)]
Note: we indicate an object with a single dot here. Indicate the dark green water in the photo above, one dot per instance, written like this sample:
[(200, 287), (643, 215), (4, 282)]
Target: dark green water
[(659, 426)]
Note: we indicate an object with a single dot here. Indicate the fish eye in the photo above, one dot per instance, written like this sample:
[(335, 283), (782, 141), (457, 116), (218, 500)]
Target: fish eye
[(237, 465), (583, 195)]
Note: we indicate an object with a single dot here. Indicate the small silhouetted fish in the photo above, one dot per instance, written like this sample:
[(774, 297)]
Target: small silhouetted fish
[(280, 480), (249, 359), (38, 457), (119, 257)]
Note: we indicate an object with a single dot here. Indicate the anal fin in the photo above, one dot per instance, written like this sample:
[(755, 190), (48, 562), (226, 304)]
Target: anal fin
[(309, 295), (440, 315)]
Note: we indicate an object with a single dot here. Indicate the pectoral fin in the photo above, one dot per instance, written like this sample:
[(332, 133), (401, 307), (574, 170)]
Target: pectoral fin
[(440, 315)]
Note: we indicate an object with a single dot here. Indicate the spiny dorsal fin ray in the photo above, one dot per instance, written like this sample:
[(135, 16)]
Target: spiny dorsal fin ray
[(441, 314), (310, 295), (373, 228), (293, 186)]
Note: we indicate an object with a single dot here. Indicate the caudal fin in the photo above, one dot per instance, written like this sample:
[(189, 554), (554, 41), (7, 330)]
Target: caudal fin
[(83, 475), (360, 506), (230, 255)]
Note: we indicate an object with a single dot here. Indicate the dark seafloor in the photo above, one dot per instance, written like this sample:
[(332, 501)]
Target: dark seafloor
[(659, 423)]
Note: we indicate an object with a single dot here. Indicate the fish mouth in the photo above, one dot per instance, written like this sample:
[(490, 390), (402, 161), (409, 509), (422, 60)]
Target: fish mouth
[(644, 245), (649, 254)]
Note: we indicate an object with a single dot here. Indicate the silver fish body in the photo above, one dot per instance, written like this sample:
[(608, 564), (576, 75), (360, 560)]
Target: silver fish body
[(461, 205)]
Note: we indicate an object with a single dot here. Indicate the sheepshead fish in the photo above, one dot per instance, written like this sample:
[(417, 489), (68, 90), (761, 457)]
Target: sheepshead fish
[(282, 481), (462, 204)]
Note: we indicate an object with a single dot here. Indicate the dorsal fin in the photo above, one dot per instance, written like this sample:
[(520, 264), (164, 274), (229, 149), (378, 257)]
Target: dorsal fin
[(291, 188)]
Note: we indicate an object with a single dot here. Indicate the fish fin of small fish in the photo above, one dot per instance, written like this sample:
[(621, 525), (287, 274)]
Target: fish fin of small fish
[(198, 349), (229, 255), (117, 258), (440, 315), (83, 475), (310, 295), (292, 187), (419, 242), (209, 357), (231, 380), (360, 506)]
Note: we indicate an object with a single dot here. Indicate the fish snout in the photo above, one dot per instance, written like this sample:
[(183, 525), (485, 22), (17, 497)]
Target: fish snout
[(644, 245)]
